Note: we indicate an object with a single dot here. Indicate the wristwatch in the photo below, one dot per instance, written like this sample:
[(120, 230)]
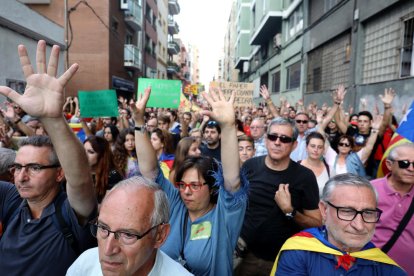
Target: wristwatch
[(291, 215), (141, 129)]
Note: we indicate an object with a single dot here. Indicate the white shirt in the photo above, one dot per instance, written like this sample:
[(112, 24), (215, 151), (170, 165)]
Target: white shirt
[(88, 264)]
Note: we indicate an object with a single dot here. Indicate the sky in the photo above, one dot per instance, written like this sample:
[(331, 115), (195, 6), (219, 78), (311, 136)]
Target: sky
[(203, 23)]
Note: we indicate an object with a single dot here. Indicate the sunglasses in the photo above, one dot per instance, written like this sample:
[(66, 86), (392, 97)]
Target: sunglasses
[(212, 123), (283, 138), (404, 164), (344, 145), (302, 121)]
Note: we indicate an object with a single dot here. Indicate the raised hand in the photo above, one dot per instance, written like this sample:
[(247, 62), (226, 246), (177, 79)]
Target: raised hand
[(339, 94), (138, 108), (222, 110), (264, 92), (388, 96), (43, 96), (376, 122)]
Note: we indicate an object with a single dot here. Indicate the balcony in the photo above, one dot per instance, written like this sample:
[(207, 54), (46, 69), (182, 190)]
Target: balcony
[(173, 48), (132, 57), (172, 27), (173, 7), (173, 68), (133, 16), (270, 25)]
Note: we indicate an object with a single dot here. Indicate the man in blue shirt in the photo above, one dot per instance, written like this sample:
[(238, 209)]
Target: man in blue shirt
[(32, 243), (342, 247)]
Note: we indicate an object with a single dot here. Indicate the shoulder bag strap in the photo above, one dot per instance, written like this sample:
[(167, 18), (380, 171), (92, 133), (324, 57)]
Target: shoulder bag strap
[(400, 228), (64, 227)]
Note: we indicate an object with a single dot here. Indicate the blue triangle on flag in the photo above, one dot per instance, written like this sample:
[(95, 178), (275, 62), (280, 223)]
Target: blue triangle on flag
[(406, 128)]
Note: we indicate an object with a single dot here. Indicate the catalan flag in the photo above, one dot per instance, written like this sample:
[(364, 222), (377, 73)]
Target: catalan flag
[(403, 134)]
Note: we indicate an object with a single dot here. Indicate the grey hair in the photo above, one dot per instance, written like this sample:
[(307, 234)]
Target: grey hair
[(7, 157), (161, 213), (393, 154), (41, 141), (280, 121), (346, 179)]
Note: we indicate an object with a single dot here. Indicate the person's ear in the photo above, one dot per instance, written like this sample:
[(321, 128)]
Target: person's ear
[(322, 208), (60, 175), (388, 163), (162, 234)]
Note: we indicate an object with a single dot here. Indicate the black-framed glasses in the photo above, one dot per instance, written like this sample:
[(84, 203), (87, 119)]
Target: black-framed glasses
[(124, 237), (349, 214), (32, 168), (194, 186), (283, 138), (302, 121), (403, 164), (344, 145)]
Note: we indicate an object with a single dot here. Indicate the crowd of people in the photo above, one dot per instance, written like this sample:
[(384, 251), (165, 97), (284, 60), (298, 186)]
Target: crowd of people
[(265, 190)]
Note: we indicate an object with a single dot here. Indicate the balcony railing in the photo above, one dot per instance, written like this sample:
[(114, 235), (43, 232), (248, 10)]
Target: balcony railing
[(133, 16), (173, 27), (173, 68), (173, 7), (173, 48), (132, 56)]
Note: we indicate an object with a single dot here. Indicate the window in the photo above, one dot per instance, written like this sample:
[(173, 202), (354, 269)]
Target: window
[(329, 4), (293, 76), (294, 23), (129, 39), (407, 49), (17, 85), (276, 82), (114, 25)]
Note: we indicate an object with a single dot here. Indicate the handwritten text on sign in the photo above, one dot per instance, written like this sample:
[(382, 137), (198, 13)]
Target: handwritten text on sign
[(244, 92)]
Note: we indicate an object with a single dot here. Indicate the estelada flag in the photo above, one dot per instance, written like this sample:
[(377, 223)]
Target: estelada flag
[(403, 134)]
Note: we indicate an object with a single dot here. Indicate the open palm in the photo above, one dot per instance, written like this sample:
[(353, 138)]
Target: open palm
[(222, 110), (43, 96)]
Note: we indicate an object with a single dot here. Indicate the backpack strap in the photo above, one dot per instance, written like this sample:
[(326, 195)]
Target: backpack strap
[(400, 228), (61, 221)]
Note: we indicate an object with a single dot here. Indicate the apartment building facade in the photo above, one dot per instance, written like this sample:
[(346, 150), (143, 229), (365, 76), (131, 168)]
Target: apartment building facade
[(306, 48), (114, 41), (21, 25)]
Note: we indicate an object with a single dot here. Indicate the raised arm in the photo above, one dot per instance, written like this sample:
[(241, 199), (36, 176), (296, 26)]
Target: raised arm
[(147, 158), (338, 97), (16, 122), (369, 146), (223, 113), (43, 98), (387, 99), (266, 96)]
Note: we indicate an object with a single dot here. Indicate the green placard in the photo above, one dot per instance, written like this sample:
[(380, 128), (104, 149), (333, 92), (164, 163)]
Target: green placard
[(99, 103), (164, 93)]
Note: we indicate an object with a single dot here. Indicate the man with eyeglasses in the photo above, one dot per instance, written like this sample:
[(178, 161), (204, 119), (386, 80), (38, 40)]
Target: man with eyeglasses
[(257, 131), (46, 232), (395, 194), (131, 227), (283, 199), (342, 246), (152, 124)]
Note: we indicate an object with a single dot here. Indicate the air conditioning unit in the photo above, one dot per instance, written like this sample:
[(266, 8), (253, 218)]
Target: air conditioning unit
[(123, 5), (245, 67), (277, 41)]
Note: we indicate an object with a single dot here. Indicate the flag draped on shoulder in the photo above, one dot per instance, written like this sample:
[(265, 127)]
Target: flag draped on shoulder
[(403, 134), (312, 240)]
